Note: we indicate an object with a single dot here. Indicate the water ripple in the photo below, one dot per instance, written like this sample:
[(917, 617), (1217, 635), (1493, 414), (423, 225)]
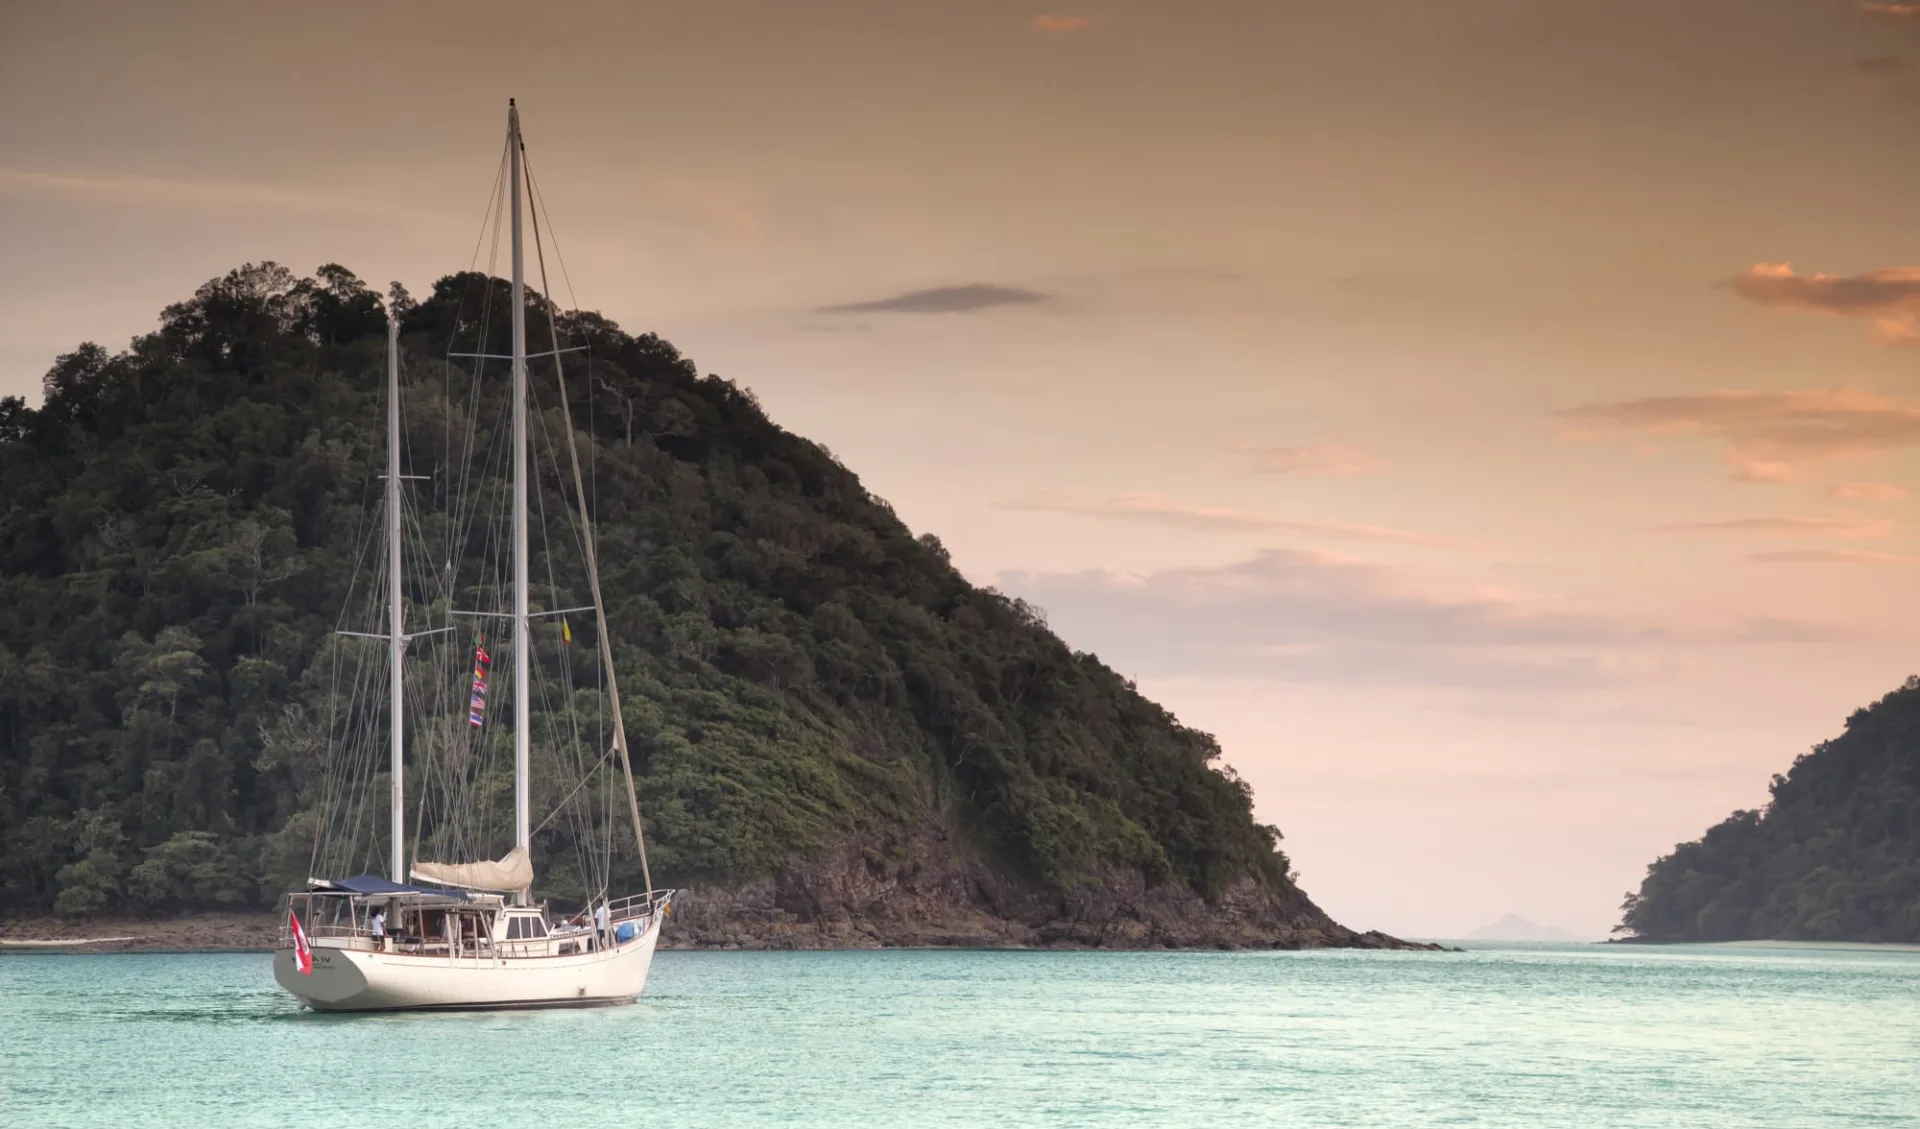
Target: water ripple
[(1513, 1038)]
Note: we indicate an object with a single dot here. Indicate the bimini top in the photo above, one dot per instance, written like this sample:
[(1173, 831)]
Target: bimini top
[(374, 884)]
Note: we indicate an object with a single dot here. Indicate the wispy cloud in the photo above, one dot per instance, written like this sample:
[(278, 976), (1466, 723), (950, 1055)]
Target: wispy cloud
[(1882, 66), (1866, 492), (1833, 556), (1895, 11), (1889, 298), (1881, 72), (166, 192), (1158, 510), (1307, 616), (1059, 24), (1771, 436), (1848, 527), (1323, 458), (1283, 596), (944, 300)]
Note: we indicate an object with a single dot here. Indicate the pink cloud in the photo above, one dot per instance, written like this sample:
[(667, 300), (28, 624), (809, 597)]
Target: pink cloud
[(1062, 23), (1880, 69), (1299, 614), (1772, 436), (1323, 458), (1833, 556), (1888, 298), (1158, 510), (1892, 11), (1866, 492), (1847, 527)]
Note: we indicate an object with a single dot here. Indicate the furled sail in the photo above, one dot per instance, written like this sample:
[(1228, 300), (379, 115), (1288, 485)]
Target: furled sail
[(514, 872)]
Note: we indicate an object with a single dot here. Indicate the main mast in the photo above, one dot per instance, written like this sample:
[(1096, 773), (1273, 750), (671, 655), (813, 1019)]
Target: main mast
[(522, 671), (396, 632)]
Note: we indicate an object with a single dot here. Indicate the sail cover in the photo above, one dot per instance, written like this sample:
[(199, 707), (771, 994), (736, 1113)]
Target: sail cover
[(374, 884), (514, 872)]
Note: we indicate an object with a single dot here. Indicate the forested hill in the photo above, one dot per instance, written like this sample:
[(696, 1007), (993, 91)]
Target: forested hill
[(1834, 857), (830, 721)]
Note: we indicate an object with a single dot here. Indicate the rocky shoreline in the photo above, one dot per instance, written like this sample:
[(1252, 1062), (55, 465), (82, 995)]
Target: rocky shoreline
[(255, 932), (192, 933), (844, 900)]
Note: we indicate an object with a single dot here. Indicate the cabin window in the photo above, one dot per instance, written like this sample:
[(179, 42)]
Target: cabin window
[(513, 929), (536, 927)]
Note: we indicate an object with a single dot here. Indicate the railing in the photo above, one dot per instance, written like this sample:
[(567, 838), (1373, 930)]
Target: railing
[(345, 929), (311, 906), (332, 920), (639, 907)]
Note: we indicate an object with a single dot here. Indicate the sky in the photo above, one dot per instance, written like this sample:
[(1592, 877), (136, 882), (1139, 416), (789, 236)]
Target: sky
[(1497, 421)]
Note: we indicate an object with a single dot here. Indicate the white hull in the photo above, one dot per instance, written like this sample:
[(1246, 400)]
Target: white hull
[(347, 979)]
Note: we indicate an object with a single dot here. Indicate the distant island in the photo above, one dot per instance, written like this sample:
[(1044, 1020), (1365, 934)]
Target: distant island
[(840, 740), (1835, 856), (1513, 927)]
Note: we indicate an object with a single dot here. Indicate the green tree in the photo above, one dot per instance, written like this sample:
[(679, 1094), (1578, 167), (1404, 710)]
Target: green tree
[(801, 672), (1834, 857)]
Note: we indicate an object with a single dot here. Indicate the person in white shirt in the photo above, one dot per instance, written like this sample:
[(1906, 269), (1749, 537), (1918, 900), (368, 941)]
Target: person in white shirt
[(378, 925), (600, 923)]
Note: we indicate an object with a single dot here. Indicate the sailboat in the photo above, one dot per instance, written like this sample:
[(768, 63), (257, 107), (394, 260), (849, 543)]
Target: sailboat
[(470, 935)]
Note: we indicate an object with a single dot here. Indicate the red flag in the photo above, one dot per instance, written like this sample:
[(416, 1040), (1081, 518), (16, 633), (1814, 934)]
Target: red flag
[(477, 705), (302, 952)]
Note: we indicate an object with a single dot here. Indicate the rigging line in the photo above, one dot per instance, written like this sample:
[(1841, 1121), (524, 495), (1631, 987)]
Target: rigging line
[(585, 779), (332, 802), (566, 658), (333, 695), (499, 180), (546, 292), (355, 775), (475, 821), (463, 502), (593, 577), (580, 532), (583, 823), (498, 208), (539, 200), (428, 580), (423, 697), (472, 488), (593, 449), (570, 749), (329, 800), (485, 327), (492, 208), (583, 529), (566, 279), (477, 468), (533, 190)]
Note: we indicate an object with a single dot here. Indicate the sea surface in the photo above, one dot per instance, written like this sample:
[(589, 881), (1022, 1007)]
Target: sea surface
[(1507, 1035)]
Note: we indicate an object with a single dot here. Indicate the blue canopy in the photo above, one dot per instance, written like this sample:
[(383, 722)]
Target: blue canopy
[(374, 884)]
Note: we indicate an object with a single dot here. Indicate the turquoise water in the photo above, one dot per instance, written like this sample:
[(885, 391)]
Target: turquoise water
[(1514, 1036)]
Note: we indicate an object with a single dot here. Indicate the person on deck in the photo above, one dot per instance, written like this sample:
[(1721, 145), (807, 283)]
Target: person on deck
[(377, 924), (600, 924)]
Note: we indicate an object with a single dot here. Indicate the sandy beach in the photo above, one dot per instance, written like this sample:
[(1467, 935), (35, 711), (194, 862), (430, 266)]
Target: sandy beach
[(208, 932)]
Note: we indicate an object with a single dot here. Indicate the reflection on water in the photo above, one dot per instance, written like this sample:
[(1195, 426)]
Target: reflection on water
[(1508, 1035)]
